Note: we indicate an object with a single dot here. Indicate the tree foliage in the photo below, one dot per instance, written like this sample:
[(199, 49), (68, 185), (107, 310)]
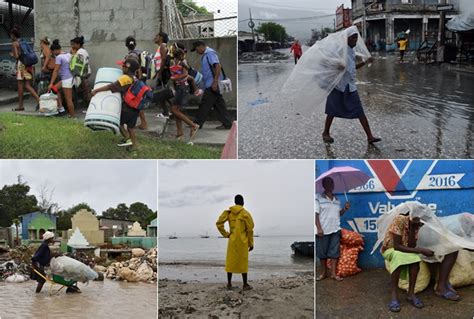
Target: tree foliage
[(63, 217), (188, 7), (273, 31), (138, 211), (15, 201)]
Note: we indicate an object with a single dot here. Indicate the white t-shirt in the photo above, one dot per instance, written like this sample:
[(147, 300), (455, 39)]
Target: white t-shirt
[(329, 213)]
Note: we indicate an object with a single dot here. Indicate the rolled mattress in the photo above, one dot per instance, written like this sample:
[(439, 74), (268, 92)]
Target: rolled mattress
[(104, 109)]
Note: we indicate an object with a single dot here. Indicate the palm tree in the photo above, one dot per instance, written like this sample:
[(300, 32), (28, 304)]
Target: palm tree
[(16, 221)]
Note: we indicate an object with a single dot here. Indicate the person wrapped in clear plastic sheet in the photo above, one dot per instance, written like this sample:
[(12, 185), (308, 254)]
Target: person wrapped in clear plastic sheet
[(443, 236), (325, 76)]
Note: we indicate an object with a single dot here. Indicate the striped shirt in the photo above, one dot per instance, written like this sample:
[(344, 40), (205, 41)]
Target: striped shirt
[(329, 213)]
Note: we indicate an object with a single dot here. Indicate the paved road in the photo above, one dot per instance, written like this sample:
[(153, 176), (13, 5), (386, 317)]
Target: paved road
[(367, 295), (420, 111)]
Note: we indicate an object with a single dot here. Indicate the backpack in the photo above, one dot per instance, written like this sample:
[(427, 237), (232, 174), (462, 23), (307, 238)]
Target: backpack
[(79, 65), (138, 95), (27, 56)]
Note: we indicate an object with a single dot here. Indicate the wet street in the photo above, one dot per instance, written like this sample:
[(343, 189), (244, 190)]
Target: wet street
[(419, 111), (367, 295), (107, 299)]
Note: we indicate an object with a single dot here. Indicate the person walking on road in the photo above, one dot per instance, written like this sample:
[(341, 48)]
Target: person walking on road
[(344, 101), (211, 70), (297, 50)]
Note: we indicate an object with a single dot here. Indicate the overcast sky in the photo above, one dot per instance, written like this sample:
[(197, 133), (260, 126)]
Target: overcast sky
[(99, 183), (222, 9), (283, 9), (278, 194)]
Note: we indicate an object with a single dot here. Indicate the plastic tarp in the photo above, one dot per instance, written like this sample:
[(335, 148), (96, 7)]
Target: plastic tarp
[(441, 237), (72, 269), (464, 21), (320, 69)]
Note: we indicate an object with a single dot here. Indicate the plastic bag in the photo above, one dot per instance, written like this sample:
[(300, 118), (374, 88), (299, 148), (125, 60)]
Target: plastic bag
[(319, 71), (72, 269), (48, 103)]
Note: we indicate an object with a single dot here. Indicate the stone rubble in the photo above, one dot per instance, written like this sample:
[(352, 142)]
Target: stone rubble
[(142, 267)]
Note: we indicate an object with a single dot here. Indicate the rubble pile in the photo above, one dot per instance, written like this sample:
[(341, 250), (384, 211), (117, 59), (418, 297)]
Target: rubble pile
[(142, 267), (16, 263), (267, 56)]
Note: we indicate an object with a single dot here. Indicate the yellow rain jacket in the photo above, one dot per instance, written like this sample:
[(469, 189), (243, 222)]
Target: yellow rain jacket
[(240, 238)]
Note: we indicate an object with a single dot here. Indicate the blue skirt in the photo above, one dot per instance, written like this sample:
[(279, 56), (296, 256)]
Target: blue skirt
[(345, 104)]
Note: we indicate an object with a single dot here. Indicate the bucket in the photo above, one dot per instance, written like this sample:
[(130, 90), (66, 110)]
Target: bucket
[(104, 109)]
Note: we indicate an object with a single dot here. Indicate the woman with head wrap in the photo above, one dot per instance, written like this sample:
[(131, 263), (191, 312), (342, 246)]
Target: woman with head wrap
[(344, 101)]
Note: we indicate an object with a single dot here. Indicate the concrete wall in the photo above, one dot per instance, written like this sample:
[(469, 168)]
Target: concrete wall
[(104, 24), (40, 221), (89, 227)]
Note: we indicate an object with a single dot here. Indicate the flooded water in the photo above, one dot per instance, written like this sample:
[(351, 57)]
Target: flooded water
[(419, 111), (204, 259), (107, 299)]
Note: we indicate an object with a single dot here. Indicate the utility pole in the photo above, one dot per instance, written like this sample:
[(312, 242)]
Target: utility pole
[(441, 34), (252, 26)]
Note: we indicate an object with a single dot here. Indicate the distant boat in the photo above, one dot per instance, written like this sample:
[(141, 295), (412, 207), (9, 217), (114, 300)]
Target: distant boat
[(204, 236), (256, 235), (173, 236), (303, 248)]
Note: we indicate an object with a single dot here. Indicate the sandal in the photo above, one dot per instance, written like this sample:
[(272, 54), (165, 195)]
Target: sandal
[(449, 295), (415, 302), (394, 306), (321, 277), (193, 131), (337, 278), (374, 140), (18, 110)]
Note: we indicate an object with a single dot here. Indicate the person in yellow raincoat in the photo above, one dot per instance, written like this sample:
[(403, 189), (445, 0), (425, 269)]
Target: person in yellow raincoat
[(240, 240)]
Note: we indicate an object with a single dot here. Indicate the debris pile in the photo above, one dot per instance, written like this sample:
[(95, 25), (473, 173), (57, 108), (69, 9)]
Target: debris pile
[(15, 264), (268, 56), (142, 267)]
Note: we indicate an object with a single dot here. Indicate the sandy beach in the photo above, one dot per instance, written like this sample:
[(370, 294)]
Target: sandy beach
[(289, 297)]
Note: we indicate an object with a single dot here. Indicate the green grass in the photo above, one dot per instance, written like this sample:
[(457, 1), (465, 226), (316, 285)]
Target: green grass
[(23, 136)]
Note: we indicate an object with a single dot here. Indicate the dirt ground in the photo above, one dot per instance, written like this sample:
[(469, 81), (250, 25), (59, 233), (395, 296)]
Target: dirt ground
[(367, 295), (270, 298)]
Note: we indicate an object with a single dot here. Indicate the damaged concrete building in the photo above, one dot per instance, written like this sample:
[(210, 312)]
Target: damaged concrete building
[(381, 20)]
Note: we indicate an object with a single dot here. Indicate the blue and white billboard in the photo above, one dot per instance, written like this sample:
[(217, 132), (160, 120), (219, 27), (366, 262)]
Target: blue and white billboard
[(446, 186)]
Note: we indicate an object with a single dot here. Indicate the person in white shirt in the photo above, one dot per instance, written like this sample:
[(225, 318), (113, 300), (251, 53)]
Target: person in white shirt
[(328, 212)]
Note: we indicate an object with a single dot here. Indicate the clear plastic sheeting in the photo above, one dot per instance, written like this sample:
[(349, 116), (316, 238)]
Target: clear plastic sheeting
[(442, 237), (320, 69), (72, 269), (465, 20)]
